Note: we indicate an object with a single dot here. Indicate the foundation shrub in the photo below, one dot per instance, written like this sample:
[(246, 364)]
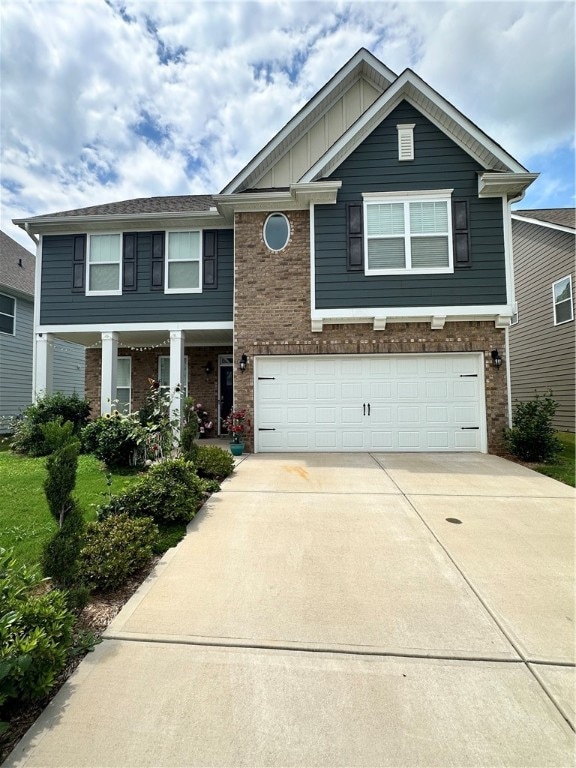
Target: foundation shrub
[(114, 439), (170, 491), (213, 462), (28, 437), (532, 436), (36, 635), (115, 548)]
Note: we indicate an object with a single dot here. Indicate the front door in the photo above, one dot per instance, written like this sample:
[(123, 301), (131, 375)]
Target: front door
[(225, 390)]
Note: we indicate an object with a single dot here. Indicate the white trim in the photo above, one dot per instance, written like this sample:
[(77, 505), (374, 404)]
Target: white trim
[(13, 315), (114, 291), (508, 252), (362, 57), (406, 201), (223, 325), (409, 194), (312, 259), (36, 307), (108, 371), (555, 303), (59, 223), (43, 373), (167, 261), (514, 185), (386, 103), (287, 220), (547, 224), (416, 314)]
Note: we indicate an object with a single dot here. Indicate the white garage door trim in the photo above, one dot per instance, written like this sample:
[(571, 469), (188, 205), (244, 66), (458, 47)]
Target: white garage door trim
[(375, 403)]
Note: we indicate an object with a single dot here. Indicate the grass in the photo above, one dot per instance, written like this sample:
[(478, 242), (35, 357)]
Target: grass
[(25, 520), (563, 468)]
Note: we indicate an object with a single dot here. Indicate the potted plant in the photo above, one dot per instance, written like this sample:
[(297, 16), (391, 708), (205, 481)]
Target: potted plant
[(236, 424)]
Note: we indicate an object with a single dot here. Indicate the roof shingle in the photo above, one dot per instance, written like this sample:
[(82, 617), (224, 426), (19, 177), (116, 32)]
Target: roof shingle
[(564, 217), (17, 265), (174, 204)]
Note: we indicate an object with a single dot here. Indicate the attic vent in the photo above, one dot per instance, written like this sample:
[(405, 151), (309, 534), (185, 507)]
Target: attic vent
[(406, 141)]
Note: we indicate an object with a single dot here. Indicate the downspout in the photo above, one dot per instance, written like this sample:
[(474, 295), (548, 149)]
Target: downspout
[(513, 301)]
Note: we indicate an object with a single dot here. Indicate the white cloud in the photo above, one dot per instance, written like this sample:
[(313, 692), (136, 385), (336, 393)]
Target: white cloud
[(215, 81)]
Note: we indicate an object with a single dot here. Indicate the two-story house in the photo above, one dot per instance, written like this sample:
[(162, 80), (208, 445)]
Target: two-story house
[(350, 288), (17, 271)]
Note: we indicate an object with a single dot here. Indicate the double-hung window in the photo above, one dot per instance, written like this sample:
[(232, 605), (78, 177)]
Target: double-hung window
[(164, 375), (124, 383), (104, 265), (183, 262), (562, 297), (7, 314), (408, 232)]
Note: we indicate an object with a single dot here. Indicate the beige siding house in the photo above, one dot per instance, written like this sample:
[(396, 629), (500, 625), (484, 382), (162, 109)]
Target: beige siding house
[(542, 338)]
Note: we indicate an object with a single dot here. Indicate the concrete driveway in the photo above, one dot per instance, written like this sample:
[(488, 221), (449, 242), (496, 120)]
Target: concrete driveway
[(341, 610)]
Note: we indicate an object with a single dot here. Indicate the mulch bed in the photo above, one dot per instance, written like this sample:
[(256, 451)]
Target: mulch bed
[(94, 618)]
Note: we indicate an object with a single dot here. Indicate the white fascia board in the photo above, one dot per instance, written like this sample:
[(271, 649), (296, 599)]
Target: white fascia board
[(134, 220), (508, 252), (496, 184), (547, 224), (298, 197), (385, 104), (361, 57), (221, 325), (413, 314)]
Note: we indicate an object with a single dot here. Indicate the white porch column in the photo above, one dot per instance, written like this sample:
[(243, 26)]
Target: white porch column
[(176, 377), (109, 367), (43, 365)]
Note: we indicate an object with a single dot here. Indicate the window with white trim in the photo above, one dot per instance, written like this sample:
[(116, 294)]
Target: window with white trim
[(408, 233), (104, 262), (164, 374), (124, 383), (7, 314), (562, 298), (183, 262)]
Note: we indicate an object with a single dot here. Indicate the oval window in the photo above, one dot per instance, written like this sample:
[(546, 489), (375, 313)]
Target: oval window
[(276, 231)]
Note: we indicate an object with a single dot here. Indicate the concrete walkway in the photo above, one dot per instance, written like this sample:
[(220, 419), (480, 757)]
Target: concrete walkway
[(341, 610)]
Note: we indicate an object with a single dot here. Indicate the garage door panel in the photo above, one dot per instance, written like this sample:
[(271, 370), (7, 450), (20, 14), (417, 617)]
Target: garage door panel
[(388, 402)]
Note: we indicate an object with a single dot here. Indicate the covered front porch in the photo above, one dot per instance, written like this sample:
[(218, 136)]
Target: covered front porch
[(123, 365)]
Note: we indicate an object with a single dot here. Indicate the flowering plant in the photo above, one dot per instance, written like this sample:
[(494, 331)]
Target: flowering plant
[(236, 423)]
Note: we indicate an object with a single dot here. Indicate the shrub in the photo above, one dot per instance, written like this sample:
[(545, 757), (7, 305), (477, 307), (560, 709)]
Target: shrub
[(170, 491), (115, 548), (28, 437), (62, 465), (35, 635), (113, 439), (60, 555), (532, 437), (213, 462)]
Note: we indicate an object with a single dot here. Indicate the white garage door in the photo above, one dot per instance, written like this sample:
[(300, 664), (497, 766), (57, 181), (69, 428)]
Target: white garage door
[(369, 403)]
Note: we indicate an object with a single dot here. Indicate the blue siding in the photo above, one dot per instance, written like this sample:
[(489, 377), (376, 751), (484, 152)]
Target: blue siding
[(61, 306), (438, 164)]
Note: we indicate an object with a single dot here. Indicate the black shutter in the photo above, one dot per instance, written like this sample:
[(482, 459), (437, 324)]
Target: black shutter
[(355, 239), (157, 283), (129, 262), (79, 264), (461, 234), (210, 260)]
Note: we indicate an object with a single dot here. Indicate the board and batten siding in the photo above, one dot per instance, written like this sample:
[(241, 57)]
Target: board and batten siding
[(16, 356), (438, 164), (60, 306), (542, 355)]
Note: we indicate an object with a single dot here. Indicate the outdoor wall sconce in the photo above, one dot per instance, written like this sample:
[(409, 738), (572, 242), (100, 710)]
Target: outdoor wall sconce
[(208, 368), (496, 359), (243, 363)]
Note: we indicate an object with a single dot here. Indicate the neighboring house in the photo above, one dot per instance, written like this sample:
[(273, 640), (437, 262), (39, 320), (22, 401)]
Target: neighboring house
[(542, 339), (350, 287), (17, 266)]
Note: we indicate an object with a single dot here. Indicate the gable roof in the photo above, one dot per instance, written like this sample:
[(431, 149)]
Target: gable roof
[(362, 65), (17, 266), (174, 204), (410, 87), (561, 217)]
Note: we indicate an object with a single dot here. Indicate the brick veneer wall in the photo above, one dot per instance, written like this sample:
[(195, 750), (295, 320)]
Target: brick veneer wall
[(203, 387), (272, 317)]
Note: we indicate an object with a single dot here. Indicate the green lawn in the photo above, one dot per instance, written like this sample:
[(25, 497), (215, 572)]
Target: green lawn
[(25, 521), (563, 468)]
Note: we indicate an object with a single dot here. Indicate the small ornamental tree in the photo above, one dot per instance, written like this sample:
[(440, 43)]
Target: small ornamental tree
[(532, 436)]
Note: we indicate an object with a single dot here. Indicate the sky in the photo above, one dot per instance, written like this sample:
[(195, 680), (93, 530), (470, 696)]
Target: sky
[(107, 100)]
